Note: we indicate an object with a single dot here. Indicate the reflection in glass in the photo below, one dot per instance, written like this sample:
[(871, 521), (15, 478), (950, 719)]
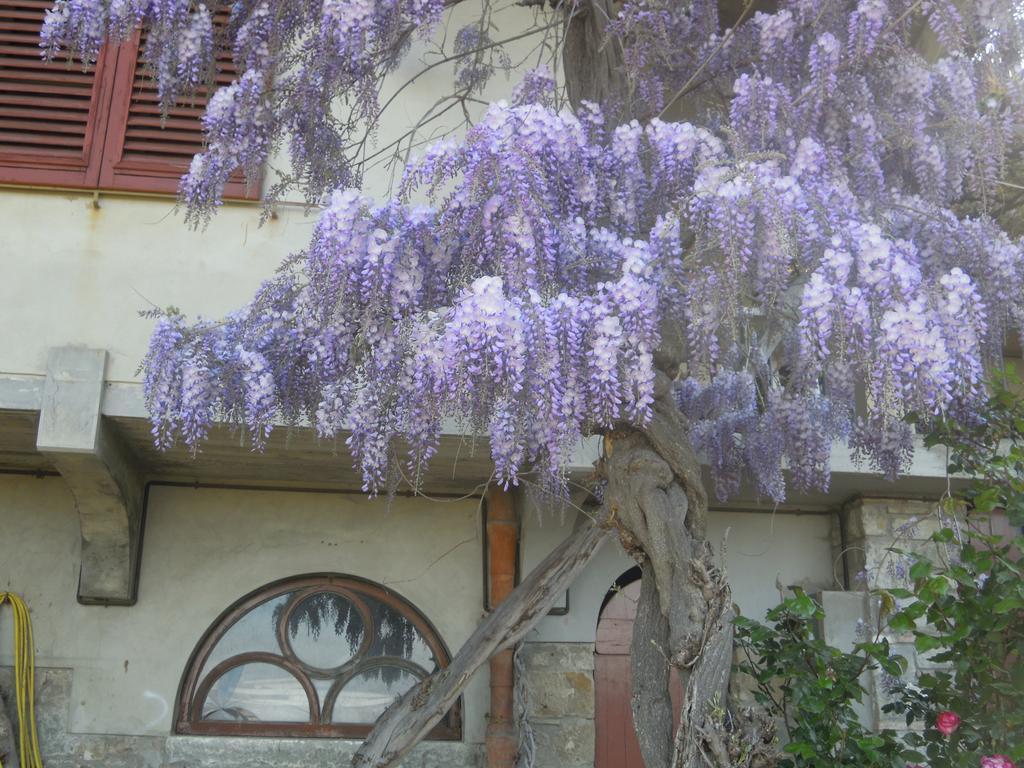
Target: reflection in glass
[(397, 636), (365, 697), (322, 685), (325, 630), (255, 631), (257, 692), (353, 646)]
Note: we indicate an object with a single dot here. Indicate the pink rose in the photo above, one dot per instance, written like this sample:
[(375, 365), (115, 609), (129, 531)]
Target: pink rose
[(997, 761), (947, 722)]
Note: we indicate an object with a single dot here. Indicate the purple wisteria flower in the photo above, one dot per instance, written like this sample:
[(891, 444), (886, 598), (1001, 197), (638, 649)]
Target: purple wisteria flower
[(822, 233)]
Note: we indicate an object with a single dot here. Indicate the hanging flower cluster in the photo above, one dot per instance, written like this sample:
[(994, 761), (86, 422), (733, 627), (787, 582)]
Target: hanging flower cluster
[(531, 328), (847, 268), (824, 232)]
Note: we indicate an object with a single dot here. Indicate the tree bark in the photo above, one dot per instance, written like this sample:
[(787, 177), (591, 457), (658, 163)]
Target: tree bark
[(701, 737), (592, 62), (651, 673), (410, 718), (656, 498)]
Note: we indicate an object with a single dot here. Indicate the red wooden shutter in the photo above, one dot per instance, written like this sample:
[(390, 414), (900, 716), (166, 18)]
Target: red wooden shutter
[(52, 115), (146, 154)]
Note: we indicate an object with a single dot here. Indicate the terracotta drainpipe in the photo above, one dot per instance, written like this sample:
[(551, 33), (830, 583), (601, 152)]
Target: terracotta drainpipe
[(502, 533)]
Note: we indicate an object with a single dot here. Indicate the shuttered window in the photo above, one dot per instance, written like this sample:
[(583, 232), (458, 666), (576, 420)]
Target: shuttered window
[(95, 129), (50, 114)]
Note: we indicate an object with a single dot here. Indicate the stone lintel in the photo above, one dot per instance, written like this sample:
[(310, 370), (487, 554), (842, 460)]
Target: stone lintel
[(100, 471)]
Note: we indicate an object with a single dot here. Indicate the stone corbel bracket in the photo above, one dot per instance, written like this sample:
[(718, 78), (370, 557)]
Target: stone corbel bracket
[(101, 472)]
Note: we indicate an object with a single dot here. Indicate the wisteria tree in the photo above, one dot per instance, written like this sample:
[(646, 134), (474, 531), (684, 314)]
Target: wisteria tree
[(729, 234)]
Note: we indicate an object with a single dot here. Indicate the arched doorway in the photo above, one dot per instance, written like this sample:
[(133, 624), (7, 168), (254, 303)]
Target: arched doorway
[(616, 745)]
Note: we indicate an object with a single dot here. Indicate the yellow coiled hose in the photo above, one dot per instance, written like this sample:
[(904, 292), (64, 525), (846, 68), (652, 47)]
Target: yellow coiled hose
[(24, 681)]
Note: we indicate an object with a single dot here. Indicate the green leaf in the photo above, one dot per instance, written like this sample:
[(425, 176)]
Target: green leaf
[(901, 622), (920, 569), (801, 748), (803, 606), (892, 666), (899, 593), (871, 741), (924, 643), (1008, 604), (916, 610), (988, 499), (943, 535), (938, 584)]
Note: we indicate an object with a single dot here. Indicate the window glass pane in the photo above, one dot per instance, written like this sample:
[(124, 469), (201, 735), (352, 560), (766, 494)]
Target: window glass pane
[(325, 630), (397, 636), (257, 692), (365, 697), (255, 631), (322, 686), (348, 643)]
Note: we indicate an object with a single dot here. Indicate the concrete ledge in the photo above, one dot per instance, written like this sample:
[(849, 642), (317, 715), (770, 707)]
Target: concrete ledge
[(21, 393), (101, 472), (248, 752)]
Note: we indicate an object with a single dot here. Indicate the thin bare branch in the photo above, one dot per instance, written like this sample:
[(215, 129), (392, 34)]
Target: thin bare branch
[(685, 89)]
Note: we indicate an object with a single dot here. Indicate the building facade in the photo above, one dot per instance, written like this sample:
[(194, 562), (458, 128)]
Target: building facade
[(244, 609)]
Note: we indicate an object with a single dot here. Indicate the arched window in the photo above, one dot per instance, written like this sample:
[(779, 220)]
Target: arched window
[(317, 655)]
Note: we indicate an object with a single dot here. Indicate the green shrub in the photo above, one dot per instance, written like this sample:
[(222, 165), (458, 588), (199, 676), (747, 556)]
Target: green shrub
[(964, 608)]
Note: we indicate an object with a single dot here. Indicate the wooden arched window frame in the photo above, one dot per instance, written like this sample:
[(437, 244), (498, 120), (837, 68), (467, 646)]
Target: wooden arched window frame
[(323, 654)]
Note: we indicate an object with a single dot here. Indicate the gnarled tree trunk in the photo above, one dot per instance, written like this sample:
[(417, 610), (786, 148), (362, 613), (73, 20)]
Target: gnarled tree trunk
[(651, 673), (656, 499)]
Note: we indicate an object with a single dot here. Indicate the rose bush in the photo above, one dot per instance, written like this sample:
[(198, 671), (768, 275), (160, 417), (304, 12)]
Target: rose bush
[(964, 607)]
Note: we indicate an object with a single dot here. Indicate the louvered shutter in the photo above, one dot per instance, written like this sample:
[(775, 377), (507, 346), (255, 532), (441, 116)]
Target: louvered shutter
[(146, 154), (52, 115)]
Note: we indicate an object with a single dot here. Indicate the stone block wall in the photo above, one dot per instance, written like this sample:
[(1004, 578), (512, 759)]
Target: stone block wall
[(560, 700), (61, 748), (870, 529), (560, 704)]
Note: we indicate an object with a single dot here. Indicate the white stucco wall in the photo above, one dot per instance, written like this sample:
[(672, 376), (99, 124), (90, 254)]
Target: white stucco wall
[(203, 549), (762, 551), (75, 274)]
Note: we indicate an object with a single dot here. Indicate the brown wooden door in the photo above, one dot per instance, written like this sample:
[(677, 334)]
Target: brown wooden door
[(616, 745)]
